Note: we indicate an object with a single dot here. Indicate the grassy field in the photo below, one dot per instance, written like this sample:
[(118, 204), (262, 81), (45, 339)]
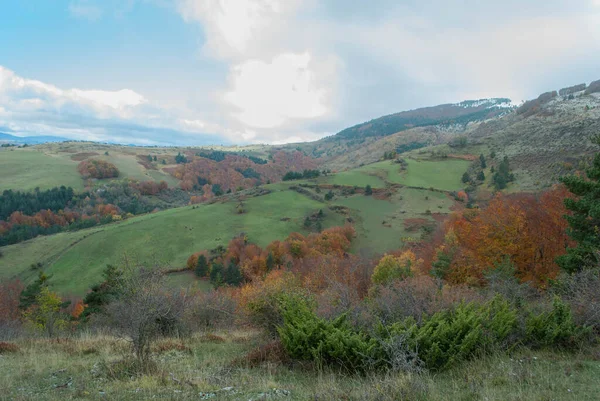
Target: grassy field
[(165, 238), (84, 367), (26, 169), (380, 223), (439, 174), (51, 165)]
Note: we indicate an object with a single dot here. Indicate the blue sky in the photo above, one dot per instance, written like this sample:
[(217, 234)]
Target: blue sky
[(273, 71)]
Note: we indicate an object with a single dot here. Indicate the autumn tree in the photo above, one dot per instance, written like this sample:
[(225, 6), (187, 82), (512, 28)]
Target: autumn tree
[(584, 222), (10, 291), (391, 268), (527, 229), (46, 314)]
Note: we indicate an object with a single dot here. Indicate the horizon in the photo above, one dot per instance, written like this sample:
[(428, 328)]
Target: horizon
[(273, 71)]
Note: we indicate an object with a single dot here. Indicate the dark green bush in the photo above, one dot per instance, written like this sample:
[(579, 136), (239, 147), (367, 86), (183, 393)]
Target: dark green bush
[(305, 336), (451, 336), (554, 328)]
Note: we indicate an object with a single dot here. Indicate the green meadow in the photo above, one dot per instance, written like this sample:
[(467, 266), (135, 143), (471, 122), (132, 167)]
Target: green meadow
[(166, 239)]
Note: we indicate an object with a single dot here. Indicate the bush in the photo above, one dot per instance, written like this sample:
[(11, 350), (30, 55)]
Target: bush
[(554, 328), (392, 268), (580, 290), (97, 169), (452, 336), (262, 301), (305, 336), (6, 347), (210, 310)]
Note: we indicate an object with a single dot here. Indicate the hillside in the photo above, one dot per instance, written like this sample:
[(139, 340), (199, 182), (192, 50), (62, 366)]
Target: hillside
[(413, 192)]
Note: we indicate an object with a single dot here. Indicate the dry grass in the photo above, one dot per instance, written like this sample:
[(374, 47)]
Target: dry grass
[(99, 367)]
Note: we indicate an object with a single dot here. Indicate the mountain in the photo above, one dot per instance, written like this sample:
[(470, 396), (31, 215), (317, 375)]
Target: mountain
[(30, 140), (445, 114), (421, 127)]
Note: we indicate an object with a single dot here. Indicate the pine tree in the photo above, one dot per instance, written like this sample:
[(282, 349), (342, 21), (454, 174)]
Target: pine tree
[(481, 176), (466, 178), (270, 262), (103, 293), (233, 275), (482, 161), (585, 221), (216, 274), (30, 294), (368, 190), (201, 266)]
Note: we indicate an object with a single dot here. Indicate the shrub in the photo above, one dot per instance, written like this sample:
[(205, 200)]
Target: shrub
[(271, 352), (97, 169), (553, 328), (580, 290), (262, 301), (210, 310), (305, 336), (451, 336), (392, 268), (6, 347)]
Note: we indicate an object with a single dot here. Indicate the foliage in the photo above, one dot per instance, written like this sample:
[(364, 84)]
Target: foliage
[(53, 199), (30, 294), (10, 292), (308, 337), (306, 174), (458, 142), (502, 175), (180, 158), (329, 195), (452, 336), (527, 229), (97, 169), (554, 328), (145, 309), (102, 294), (584, 222), (482, 162), (46, 314), (465, 177), (368, 190), (202, 267), (263, 301), (392, 268)]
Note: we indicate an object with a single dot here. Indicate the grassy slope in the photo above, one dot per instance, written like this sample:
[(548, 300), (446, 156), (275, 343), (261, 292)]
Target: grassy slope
[(380, 223), (442, 174), (37, 371), (166, 238), (26, 169), (439, 174), (51, 165)]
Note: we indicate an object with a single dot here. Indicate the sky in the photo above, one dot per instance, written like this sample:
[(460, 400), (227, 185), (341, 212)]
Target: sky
[(191, 72)]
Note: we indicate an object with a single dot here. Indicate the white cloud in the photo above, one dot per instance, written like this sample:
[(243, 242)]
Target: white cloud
[(32, 107), (85, 9), (240, 28), (267, 95)]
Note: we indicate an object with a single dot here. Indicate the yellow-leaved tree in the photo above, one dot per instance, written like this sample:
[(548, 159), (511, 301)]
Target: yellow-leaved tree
[(46, 314)]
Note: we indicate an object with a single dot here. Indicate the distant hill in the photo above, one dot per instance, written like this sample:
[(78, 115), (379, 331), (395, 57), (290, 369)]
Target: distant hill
[(445, 114), (29, 140)]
